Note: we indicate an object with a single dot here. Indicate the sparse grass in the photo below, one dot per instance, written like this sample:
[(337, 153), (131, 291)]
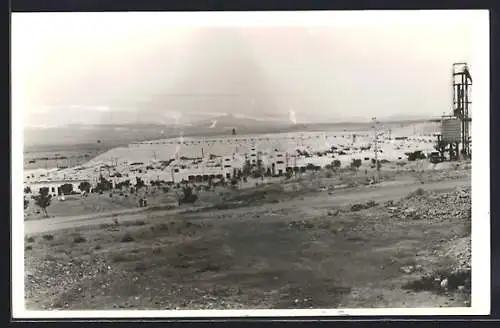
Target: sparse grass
[(135, 223), (224, 206), (159, 227), (467, 229), (141, 267), (120, 258)]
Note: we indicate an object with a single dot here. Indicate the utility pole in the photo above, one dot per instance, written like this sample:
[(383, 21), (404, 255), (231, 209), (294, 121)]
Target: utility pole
[(375, 141)]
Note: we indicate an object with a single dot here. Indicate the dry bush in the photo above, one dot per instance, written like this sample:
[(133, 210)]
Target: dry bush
[(127, 238), (48, 237), (79, 239)]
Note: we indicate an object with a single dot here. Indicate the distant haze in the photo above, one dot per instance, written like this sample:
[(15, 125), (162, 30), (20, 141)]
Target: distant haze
[(121, 68)]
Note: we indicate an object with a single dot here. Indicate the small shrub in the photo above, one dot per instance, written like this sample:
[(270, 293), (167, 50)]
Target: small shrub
[(119, 258), (30, 239), (48, 237), (160, 227), (416, 155), (357, 207), (418, 192), (28, 248), (140, 267), (127, 238), (97, 247), (79, 239)]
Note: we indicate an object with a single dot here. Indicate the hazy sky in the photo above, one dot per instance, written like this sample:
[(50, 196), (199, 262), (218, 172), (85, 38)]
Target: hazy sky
[(145, 67)]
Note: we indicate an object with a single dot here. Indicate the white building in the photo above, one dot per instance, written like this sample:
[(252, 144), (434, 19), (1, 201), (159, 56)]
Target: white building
[(53, 186)]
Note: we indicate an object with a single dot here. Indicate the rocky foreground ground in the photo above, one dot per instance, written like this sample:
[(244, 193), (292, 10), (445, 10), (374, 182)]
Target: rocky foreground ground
[(409, 252)]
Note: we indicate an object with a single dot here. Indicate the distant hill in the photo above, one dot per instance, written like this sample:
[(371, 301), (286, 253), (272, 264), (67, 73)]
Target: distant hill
[(114, 135)]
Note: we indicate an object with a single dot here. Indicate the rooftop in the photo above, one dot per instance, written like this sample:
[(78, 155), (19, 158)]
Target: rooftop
[(56, 181)]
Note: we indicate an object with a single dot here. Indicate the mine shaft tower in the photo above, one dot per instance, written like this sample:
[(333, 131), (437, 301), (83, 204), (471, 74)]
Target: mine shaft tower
[(462, 83)]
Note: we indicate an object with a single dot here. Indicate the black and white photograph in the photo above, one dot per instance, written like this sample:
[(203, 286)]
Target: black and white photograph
[(250, 163)]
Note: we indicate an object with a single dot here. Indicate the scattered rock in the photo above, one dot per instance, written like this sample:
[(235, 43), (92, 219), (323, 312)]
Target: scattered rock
[(333, 212)]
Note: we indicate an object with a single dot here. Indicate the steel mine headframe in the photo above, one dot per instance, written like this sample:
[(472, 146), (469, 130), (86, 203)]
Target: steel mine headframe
[(462, 83)]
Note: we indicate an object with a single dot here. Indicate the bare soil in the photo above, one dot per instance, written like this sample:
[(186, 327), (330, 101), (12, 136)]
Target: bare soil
[(259, 256)]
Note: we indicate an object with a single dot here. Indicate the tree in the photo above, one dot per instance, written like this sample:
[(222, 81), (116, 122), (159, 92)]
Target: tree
[(27, 190), (43, 200), (310, 167), (336, 164), (416, 155), (84, 186), (103, 184), (188, 195), (139, 183), (441, 148), (66, 188), (26, 203), (356, 163)]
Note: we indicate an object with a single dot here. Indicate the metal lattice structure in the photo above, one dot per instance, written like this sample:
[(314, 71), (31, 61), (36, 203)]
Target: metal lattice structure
[(462, 83)]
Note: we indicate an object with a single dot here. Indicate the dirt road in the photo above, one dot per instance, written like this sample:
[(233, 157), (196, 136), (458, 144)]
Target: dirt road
[(311, 201)]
